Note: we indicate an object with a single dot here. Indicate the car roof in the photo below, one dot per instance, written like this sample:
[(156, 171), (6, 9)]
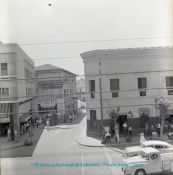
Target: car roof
[(149, 150), (155, 142)]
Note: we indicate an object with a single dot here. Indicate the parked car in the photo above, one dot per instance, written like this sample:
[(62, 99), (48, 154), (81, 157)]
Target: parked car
[(148, 161), (161, 146)]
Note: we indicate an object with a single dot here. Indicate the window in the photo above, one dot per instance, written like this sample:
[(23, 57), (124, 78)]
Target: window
[(114, 84), (4, 69), (114, 87), (4, 92), (142, 93), (170, 92), (142, 83), (169, 82), (114, 94), (92, 88), (169, 85)]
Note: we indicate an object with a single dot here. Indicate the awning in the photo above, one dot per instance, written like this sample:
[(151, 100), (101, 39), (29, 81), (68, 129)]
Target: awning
[(5, 120), (24, 118)]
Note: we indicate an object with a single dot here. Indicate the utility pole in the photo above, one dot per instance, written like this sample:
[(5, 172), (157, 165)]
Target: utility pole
[(100, 89)]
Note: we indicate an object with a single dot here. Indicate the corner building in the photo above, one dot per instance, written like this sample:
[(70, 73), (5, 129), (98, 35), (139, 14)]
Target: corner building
[(17, 87), (128, 80)]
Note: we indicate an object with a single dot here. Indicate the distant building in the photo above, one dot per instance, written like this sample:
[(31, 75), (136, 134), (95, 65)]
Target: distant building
[(16, 86), (127, 80), (56, 90), (81, 88)]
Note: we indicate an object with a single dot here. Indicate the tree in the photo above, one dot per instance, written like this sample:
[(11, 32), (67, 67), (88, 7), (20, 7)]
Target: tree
[(162, 105)]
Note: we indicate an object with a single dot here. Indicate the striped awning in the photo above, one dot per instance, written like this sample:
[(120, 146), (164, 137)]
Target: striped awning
[(24, 118)]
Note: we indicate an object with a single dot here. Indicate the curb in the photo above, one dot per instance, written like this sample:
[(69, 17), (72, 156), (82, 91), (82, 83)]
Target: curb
[(99, 146)]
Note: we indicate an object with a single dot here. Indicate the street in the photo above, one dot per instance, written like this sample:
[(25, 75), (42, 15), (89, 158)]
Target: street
[(58, 152)]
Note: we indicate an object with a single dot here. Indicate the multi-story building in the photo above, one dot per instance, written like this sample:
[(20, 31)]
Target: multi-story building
[(56, 90), (127, 81), (16, 86)]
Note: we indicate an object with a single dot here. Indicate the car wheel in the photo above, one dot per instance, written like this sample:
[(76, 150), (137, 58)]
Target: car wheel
[(140, 172)]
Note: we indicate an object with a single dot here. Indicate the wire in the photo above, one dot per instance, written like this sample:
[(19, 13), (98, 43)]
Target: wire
[(92, 108), (51, 58), (91, 75), (83, 93), (91, 41)]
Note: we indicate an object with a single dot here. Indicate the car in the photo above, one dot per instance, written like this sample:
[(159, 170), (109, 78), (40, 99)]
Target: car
[(148, 161), (162, 146)]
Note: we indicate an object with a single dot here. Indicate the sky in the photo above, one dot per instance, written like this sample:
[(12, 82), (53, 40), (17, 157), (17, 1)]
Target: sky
[(57, 34)]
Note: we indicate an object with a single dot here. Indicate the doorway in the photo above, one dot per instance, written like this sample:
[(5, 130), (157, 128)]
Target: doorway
[(93, 123)]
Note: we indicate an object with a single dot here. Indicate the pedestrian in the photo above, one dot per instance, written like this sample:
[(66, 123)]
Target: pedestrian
[(125, 128), (70, 117), (9, 134), (15, 136), (40, 121), (27, 126), (142, 138), (37, 123), (47, 124), (152, 128), (30, 133), (130, 130), (22, 129), (158, 128), (117, 134), (146, 130)]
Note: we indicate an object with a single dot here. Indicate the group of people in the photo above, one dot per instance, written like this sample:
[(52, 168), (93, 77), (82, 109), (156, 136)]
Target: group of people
[(127, 129), (152, 130), (9, 135), (24, 127)]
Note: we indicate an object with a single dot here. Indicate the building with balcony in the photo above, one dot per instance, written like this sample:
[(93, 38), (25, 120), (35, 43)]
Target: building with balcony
[(127, 81), (16, 87), (56, 90)]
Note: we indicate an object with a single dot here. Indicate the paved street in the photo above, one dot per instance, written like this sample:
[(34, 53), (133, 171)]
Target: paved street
[(58, 148)]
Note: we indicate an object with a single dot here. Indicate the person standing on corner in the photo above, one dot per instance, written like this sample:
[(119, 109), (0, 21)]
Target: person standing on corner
[(130, 130), (47, 124), (125, 128), (142, 138), (117, 134), (9, 134)]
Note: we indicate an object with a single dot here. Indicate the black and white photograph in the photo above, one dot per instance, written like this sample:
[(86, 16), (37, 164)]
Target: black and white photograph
[(86, 87)]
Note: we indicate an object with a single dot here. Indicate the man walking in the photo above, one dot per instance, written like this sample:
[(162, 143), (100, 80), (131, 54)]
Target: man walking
[(47, 124), (125, 128), (9, 134)]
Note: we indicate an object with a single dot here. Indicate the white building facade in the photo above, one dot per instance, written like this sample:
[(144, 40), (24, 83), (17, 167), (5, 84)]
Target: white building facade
[(17, 86), (56, 90), (128, 80)]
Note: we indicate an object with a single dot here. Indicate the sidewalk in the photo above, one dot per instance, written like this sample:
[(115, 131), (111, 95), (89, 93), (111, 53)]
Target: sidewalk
[(84, 140), (12, 148)]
